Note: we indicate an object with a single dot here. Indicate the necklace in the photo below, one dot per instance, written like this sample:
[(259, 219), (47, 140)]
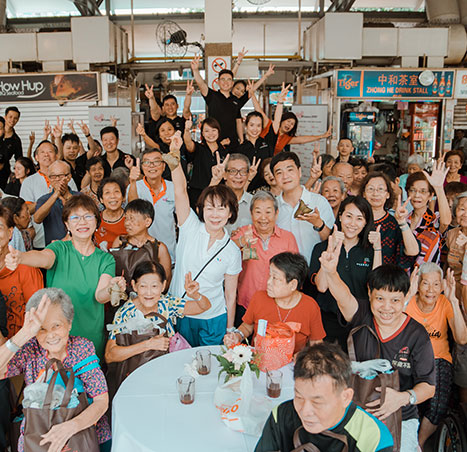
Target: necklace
[(287, 316), (113, 221)]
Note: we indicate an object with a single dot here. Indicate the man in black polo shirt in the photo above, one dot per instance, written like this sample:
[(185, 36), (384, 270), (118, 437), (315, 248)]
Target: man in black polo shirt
[(113, 157), (322, 413), (11, 140)]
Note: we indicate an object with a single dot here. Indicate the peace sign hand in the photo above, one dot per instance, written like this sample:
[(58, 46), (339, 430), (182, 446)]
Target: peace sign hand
[(189, 88), (218, 170), (414, 280), (330, 258), (438, 175), (253, 169), (401, 213), (241, 55), (195, 63), (315, 170), (316, 187), (270, 70), (149, 93), (284, 91), (449, 286), (374, 237), (84, 128), (191, 287)]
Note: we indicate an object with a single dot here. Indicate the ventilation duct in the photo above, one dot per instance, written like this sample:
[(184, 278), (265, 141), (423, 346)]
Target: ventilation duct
[(444, 11)]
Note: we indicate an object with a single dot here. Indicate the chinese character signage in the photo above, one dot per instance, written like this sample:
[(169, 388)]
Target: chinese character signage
[(71, 86), (392, 84)]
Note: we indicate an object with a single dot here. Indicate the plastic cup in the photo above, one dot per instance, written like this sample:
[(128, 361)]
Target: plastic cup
[(273, 383), (203, 360), (186, 389)]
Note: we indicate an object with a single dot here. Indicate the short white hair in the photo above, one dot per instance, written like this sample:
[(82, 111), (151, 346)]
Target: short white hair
[(416, 159), (430, 267)]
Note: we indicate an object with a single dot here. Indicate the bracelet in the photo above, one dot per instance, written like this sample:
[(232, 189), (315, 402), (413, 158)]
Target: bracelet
[(320, 228), (404, 227), (379, 249), (10, 345), (88, 135)]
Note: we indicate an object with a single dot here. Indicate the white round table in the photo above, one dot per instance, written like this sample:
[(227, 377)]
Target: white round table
[(148, 416)]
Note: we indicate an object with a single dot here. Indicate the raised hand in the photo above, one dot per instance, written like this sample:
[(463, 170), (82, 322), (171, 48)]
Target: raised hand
[(438, 175), (57, 131), (253, 169), (135, 172), (330, 258), (270, 70), (374, 237), (414, 281), (129, 163), (218, 170), (113, 121), (284, 91), (195, 63), (149, 93), (190, 89), (328, 132), (71, 125), (189, 124), (192, 287), (47, 129), (241, 55), (449, 286), (250, 86), (84, 128), (401, 213), (176, 141), (13, 258), (140, 130), (32, 138), (315, 170), (316, 187), (35, 317)]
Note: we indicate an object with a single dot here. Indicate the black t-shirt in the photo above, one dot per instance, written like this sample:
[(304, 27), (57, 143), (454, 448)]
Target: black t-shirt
[(357, 425), (409, 351), (203, 160), (152, 126), (13, 146), (225, 110)]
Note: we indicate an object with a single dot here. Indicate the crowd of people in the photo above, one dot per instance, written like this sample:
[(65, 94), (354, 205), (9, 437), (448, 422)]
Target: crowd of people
[(210, 237)]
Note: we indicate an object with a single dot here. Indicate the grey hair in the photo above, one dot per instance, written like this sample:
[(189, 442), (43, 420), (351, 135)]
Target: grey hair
[(241, 157), (455, 203), (416, 159), (337, 179), (262, 195), (57, 297), (430, 267)]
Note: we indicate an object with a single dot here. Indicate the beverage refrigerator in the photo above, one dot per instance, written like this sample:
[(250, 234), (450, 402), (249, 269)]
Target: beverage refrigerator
[(361, 131), (424, 129)]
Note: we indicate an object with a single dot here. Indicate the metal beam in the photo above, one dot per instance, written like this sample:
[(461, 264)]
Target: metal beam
[(341, 6), (87, 7)]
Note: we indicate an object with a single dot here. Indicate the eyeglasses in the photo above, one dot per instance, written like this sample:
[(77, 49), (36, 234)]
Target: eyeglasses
[(372, 190), (87, 218), (155, 163), (58, 176), (234, 172), (414, 191)]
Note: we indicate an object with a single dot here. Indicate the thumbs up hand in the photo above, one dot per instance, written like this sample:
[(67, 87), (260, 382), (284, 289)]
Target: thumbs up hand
[(13, 258), (374, 237)]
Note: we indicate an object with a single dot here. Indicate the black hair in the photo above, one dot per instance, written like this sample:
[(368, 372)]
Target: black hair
[(455, 188), (415, 177), (142, 207), (226, 71), (282, 157), (214, 124), (109, 129), (168, 97), (254, 114), (149, 267), (81, 201), (13, 108), (324, 359), (325, 159), (225, 195), (28, 165), (357, 162), (389, 277), (365, 208), (43, 142), (240, 82), (7, 215), (2, 120), (289, 115), (161, 122), (70, 137), (110, 180), (387, 169), (373, 175), (94, 161), (13, 203), (293, 265)]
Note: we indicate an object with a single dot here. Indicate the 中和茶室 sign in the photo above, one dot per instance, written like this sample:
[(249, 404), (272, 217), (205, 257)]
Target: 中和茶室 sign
[(393, 84)]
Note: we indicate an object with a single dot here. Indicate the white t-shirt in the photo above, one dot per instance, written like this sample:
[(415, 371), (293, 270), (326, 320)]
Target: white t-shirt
[(192, 254), (244, 215), (163, 226), (303, 231), (32, 188)]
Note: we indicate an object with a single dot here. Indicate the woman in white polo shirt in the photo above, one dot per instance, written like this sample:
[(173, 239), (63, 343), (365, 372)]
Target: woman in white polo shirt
[(204, 248)]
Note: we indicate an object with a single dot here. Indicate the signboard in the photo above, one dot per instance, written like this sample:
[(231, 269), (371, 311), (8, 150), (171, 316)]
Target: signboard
[(312, 120), (392, 84), (461, 84), (215, 65), (66, 87)]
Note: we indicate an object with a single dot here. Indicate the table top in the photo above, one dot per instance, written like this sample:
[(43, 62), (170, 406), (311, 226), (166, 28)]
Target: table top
[(148, 416)]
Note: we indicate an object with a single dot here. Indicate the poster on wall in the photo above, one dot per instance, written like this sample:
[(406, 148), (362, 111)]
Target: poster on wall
[(312, 120), (100, 117), (214, 66), (66, 87)]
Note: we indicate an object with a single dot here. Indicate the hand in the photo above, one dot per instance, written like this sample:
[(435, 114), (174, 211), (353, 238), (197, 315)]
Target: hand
[(129, 163), (241, 55), (195, 63), (57, 131), (13, 258), (374, 237), (218, 170), (393, 401), (371, 160), (313, 217), (71, 125), (140, 130), (58, 435), (189, 88), (188, 124), (47, 129), (225, 142), (270, 70), (284, 91), (414, 281), (250, 87), (176, 141), (149, 93), (401, 214), (248, 238), (120, 280), (253, 169), (449, 286), (192, 287), (316, 187), (461, 239), (35, 317), (84, 128), (135, 172), (113, 121), (438, 175), (32, 138), (158, 343), (330, 258), (328, 132), (232, 339), (315, 170)]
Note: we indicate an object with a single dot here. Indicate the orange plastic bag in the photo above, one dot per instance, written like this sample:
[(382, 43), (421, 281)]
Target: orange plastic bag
[(276, 348)]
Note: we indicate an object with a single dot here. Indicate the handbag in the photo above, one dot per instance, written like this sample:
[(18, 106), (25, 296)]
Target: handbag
[(310, 447), (365, 389), (39, 421), (16, 416)]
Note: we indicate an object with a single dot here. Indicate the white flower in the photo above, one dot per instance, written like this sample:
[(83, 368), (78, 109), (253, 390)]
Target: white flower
[(241, 354), (192, 369)]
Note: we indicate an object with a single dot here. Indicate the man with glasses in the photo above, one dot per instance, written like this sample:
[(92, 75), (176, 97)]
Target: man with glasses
[(49, 207), (159, 192)]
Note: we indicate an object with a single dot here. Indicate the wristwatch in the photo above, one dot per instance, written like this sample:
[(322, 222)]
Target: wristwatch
[(412, 397), (10, 345), (236, 330), (320, 228)]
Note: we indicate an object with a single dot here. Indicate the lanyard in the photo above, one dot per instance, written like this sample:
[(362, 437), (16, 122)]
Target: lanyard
[(155, 197)]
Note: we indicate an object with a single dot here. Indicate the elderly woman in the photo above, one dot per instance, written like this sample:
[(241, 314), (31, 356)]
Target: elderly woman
[(282, 301), (85, 272), (45, 335), (259, 242), (454, 161), (333, 189), (415, 164), (437, 313)]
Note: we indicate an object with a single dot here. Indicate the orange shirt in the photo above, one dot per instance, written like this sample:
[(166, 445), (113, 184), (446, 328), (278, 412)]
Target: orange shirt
[(282, 139), (435, 323), (108, 232), (306, 313), (17, 287)]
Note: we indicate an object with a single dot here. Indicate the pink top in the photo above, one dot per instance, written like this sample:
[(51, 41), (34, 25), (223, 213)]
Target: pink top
[(255, 273)]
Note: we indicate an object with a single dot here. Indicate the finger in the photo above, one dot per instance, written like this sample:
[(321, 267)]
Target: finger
[(378, 229), (254, 161), (218, 158), (226, 159), (406, 203), (137, 162)]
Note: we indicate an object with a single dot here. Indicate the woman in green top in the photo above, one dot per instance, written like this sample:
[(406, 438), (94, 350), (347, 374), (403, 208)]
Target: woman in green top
[(83, 271)]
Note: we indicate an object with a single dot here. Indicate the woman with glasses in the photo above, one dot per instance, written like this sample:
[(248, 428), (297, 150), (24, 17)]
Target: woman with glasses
[(426, 225), (159, 192), (77, 266), (398, 243)]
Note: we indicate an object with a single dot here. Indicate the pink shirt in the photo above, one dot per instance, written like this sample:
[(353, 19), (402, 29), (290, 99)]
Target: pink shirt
[(255, 272)]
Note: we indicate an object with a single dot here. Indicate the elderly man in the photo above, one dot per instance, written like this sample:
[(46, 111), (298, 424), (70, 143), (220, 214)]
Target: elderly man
[(50, 206), (333, 189), (345, 172), (322, 413)]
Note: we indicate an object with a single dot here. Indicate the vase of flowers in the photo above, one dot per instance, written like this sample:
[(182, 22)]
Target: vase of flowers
[(233, 361)]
